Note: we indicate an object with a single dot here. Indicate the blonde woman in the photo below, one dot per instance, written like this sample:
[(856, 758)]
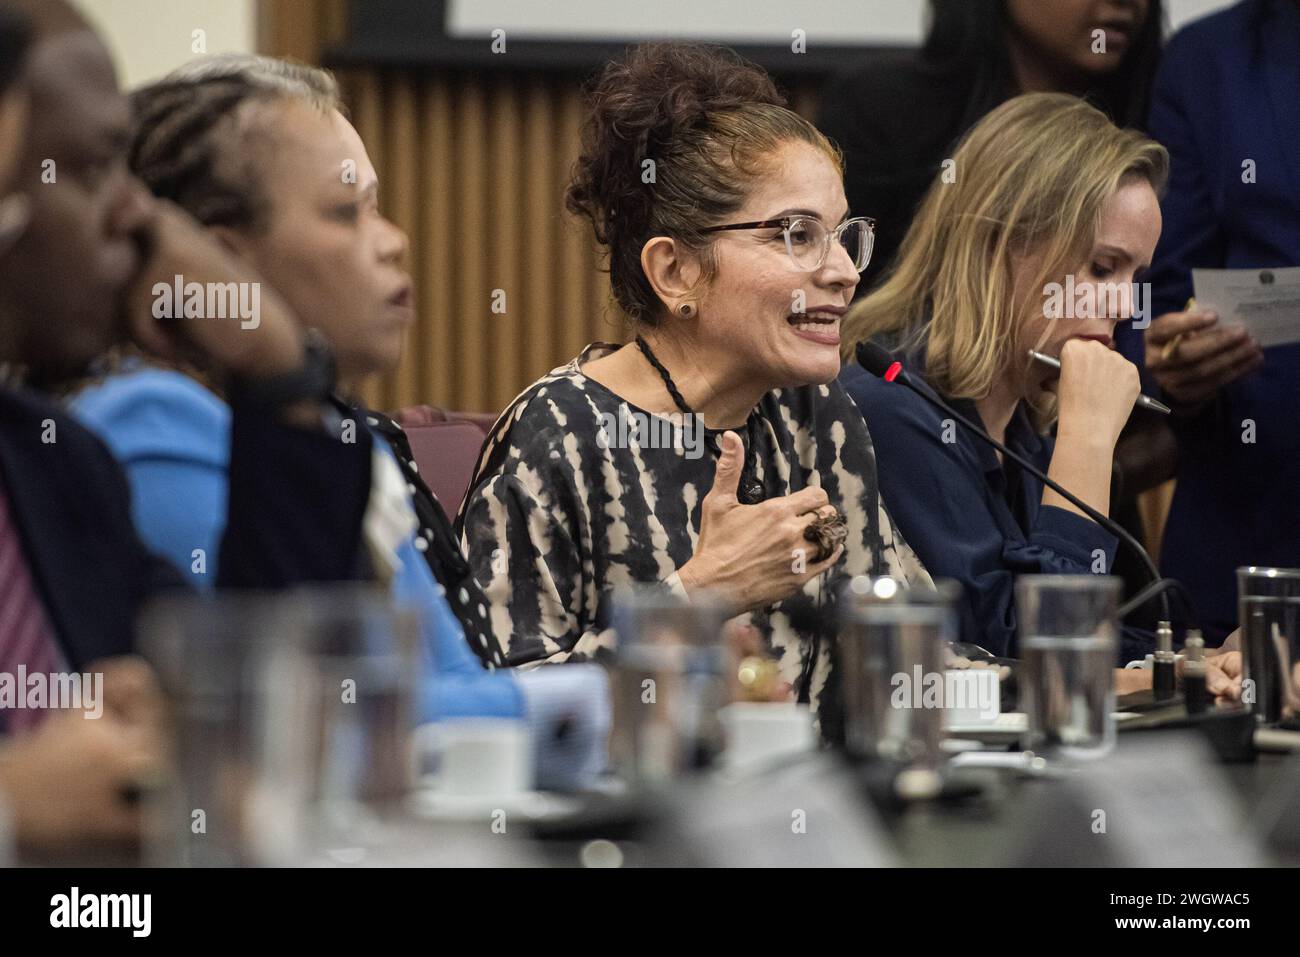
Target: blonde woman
[(1053, 214)]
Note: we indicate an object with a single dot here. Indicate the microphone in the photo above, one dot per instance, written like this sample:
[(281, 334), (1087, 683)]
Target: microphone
[(881, 363)]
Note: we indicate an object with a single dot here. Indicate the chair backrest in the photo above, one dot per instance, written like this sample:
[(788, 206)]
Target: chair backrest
[(446, 446)]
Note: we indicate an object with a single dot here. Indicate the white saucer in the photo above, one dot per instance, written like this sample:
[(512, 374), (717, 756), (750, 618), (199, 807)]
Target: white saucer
[(1006, 726), (435, 805)]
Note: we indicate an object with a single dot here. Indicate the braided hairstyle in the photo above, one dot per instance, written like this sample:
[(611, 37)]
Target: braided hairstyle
[(192, 143), (711, 123), (193, 134)]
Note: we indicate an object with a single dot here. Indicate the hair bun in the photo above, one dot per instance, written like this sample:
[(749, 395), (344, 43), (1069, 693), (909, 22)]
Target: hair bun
[(663, 88), (639, 106)]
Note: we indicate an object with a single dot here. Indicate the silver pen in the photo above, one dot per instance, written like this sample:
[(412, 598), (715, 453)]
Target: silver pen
[(1143, 400)]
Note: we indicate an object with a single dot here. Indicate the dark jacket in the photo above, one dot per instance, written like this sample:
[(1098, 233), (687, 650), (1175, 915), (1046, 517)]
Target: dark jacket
[(1228, 91), (971, 518), (895, 120), (297, 498)]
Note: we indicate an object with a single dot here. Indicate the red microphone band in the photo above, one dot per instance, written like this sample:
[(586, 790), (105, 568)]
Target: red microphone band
[(892, 372)]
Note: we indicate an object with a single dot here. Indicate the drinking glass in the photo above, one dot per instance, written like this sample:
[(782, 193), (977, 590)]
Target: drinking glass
[(669, 683), (1269, 607), (891, 656), (292, 716), (1069, 636)]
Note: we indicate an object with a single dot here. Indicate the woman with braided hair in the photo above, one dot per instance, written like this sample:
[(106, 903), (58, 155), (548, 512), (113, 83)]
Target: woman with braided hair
[(734, 262), (259, 151)]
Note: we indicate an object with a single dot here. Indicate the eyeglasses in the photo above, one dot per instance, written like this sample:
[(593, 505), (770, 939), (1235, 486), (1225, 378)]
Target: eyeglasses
[(808, 242)]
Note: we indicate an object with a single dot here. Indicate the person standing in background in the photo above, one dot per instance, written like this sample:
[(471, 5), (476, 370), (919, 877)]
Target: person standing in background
[(900, 116), (1227, 106), (898, 120)]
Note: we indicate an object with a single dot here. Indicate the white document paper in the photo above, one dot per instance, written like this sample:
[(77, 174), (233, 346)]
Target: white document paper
[(1265, 301)]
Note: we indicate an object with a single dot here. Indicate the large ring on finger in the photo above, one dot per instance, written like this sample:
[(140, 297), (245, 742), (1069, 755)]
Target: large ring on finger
[(758, 677), (828, 532)]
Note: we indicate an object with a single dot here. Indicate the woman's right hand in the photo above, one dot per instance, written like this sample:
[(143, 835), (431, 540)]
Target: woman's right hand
[(754, 555), (1096, 391)]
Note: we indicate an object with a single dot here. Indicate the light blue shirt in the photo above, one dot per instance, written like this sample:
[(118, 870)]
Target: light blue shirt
[(172, 437)]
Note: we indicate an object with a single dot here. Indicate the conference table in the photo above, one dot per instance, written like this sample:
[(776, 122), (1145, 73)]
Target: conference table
[(1172, 798), (985, 817)]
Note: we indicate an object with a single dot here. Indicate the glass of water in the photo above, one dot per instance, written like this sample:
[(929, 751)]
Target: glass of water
[(1069, 635), (891, 653), (670, 682), (1269, 608), (291, 715)]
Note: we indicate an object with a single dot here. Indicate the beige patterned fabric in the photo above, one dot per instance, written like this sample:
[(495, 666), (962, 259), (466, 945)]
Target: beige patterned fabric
[(558, 515)]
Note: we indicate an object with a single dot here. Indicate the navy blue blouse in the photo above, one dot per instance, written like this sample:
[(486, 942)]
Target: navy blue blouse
[(968, 518)]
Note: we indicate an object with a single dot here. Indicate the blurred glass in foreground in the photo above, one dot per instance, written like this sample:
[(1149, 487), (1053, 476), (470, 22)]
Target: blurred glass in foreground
[(1069, 636), (892, 645), (670, 682), (292, 716), (1269, 610)]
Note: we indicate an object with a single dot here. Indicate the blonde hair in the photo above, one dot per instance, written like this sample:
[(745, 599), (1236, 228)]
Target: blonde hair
[(1031, 177)]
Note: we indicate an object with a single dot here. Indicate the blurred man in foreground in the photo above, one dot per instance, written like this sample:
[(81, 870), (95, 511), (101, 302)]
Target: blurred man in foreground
[(80, 249)]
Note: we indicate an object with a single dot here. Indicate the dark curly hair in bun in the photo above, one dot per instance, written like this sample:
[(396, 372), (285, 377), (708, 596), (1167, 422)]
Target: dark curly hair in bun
[(710, 122)]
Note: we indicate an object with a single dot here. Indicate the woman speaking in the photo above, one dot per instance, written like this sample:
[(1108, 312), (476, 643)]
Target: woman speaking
[(732, 252)]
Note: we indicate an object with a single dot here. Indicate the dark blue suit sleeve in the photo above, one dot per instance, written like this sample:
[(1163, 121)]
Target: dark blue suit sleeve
[(1192, 235)]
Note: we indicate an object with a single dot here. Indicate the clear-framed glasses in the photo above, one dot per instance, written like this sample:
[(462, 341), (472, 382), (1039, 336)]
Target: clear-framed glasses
[(808, 241)]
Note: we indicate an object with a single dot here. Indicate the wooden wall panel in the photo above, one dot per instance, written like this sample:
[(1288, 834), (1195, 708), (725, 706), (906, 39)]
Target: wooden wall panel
[(300, 29), (403, 197), (467, 126), (434, 260), (542, 175), (508, 216)]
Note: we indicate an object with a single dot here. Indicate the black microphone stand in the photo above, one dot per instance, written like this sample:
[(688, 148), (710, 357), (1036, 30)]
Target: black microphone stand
[(871, 357)]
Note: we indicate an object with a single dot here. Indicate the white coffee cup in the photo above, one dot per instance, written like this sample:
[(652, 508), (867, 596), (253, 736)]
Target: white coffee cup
[(973, 696), (760, 731), (479, 757)]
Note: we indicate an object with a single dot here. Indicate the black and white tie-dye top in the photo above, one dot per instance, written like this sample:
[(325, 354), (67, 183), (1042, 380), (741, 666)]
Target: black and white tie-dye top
[(561, 513)]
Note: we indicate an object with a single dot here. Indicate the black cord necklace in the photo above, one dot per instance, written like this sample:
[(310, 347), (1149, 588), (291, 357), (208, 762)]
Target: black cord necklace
[(750, 491)]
